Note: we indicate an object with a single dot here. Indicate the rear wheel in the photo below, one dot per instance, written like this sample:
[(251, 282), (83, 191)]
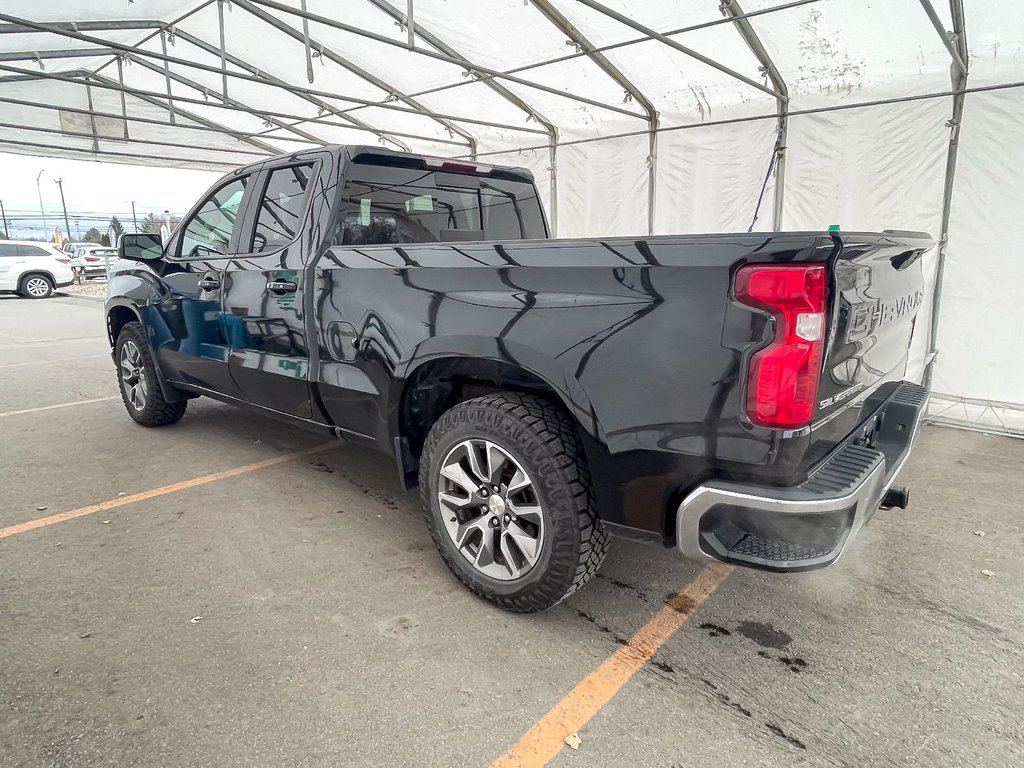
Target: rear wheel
[(507, 498), (35, 286), (140, 389)]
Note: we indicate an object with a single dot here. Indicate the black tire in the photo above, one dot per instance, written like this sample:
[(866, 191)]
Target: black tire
[(155, 411), (542, 438), (37, 279)]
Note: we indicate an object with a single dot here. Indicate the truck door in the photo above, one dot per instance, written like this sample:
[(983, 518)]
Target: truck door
[(185, 320), (265, 288)]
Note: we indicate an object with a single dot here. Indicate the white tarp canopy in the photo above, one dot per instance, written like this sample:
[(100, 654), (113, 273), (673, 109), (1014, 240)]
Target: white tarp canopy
[(636, 117)]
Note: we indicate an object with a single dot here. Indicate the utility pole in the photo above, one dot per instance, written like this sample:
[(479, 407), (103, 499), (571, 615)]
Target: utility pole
[(3, 220), (135, 221), (41, 211), (60, 183)]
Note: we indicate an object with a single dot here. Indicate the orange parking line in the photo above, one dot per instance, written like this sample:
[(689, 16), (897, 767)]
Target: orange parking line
[(542, 742), (60, 517), (58, 405)]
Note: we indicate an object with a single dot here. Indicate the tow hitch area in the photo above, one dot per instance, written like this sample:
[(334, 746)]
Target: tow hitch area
[(897, 496)]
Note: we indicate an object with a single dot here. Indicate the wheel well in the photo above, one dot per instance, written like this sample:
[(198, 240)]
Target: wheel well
[(438, 385), (40, 272), (118, 318)]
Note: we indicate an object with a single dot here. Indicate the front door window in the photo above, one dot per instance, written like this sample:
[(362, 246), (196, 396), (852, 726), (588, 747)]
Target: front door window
[(208, 232)]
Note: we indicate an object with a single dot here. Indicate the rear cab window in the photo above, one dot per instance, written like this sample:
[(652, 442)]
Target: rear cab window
[(391, 204)]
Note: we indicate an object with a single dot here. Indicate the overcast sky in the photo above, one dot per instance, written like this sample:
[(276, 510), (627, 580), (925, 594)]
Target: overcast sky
[(93, 191)]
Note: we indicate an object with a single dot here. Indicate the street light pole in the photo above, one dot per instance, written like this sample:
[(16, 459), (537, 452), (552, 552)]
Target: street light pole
[(60, 183), (135, 220), (41, 211), (3, 220)]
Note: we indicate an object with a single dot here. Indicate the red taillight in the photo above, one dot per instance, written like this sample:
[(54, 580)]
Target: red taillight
[(92, 258), (63, 261), (782, 385)]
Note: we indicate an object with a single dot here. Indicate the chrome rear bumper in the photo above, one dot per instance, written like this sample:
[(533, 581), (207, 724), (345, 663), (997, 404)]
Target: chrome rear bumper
[(806, 526)]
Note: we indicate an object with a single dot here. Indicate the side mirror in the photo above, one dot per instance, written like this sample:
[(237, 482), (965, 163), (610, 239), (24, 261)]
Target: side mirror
[(144, 246)]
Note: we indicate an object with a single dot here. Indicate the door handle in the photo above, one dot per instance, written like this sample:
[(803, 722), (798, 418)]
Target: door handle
[(282, 286), (209, 283)]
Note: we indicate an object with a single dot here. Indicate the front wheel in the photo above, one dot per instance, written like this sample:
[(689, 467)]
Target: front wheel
[(507, 498), (137, 377)]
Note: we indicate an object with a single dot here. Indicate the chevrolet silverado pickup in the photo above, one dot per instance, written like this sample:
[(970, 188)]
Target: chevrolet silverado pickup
[(739, 397)]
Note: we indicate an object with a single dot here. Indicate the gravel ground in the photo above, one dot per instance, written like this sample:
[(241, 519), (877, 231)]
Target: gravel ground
[(95, 287)]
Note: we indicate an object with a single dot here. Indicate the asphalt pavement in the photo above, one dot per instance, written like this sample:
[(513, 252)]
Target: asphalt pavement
[(233, 591)]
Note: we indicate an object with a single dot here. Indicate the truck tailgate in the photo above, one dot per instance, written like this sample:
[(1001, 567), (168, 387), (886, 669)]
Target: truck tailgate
[(877, 290)]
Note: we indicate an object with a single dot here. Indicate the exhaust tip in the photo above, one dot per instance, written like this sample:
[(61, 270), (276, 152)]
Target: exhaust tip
[(897, 496)]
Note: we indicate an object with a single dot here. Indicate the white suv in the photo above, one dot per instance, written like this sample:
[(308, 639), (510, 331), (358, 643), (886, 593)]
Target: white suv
[(33, 269)]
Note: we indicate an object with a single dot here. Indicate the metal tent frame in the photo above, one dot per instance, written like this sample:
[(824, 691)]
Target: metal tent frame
[(341, 111)]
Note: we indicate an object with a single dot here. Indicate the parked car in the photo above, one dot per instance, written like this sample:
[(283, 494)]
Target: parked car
[(737, 397), (33, 269), (92, 260)]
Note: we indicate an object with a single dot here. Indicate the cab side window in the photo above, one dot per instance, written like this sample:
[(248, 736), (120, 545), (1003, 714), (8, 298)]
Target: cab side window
[(209, 230), (281, 207), (8, 251)]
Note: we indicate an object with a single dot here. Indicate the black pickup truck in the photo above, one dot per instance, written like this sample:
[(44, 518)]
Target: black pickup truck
[(736, 396)]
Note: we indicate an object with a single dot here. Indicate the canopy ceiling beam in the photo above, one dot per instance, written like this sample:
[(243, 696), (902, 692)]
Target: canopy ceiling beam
[(497, 87), (354, 68), (96, 137), (959, 78), (750, 37), (97, 80), (224, 130), (666, 40), (22, 75), (429, 53), (563, 24), (63, 53), (157, 99), (948, 38), (227, 100), (36, 27), (319, 103), (138, 159), (15, 28)]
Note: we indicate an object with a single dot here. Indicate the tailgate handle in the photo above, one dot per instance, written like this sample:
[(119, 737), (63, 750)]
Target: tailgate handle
[(282, 286), (209, 284)]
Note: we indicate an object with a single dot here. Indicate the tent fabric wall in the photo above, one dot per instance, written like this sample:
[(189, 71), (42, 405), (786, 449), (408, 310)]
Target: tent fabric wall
[(358, 81)]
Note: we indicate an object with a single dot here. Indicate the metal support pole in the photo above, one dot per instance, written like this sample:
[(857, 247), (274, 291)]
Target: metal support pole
[(92, 118), (124, 103), (305, 42), (223, 47), (746, 30), (959, 60), (563, 24), (39, 189), (3, 220), (60, 184), (135, 220), (959, 78), (410, 24), (167, 74)]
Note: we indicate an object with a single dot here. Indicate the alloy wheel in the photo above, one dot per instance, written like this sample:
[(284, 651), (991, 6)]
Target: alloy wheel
[(133, 376), (491, 509), (37, 287)]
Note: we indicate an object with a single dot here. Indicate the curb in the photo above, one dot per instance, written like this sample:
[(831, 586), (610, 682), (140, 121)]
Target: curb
[(75, 296)]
